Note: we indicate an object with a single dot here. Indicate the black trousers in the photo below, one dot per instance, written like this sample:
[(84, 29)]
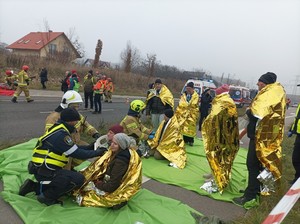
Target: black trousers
[(203, 115), (62, 182), (97, 101), (254, 167), (88, 96), (296, 157), (187, 139)]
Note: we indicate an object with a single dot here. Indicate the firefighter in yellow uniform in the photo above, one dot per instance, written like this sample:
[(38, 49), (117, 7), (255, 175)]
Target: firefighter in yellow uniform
[(132, 124), (109, 90), (10, 79), (23, 82), (72, 99)]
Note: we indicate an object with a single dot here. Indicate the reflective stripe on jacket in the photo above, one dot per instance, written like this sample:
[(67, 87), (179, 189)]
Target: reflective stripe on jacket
[(41, 155)]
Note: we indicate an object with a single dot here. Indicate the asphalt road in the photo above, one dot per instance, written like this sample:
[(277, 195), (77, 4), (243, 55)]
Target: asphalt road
[(24, 121)]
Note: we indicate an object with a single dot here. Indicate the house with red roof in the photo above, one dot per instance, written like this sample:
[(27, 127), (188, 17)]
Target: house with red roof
[(44, 44)]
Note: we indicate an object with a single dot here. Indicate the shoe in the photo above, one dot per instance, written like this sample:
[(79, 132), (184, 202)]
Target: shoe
[(47, 201), (29, 101), (118, 206), (95, 112), (27, 187), (14, 100), (240, 201)]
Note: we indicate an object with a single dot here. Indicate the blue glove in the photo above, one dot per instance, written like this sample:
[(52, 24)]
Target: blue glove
[(152, 133), (151, 136), (290, 133)]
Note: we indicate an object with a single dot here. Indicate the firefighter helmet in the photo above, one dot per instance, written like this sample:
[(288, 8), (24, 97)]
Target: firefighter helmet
[(25, 67), (69, 97), (8, 72), (137, 105)]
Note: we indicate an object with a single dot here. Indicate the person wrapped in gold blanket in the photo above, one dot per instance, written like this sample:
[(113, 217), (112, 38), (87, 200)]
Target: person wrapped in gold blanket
[(168, 142), (112, 179)]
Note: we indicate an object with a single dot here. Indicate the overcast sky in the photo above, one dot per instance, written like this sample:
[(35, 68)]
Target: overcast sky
[(243, 38)]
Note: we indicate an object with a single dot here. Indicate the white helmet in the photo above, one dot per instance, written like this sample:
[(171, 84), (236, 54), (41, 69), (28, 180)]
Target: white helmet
[(70, 96)]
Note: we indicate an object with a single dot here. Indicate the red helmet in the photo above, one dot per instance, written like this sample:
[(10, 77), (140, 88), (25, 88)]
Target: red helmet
[(8, 72), (25, 67)]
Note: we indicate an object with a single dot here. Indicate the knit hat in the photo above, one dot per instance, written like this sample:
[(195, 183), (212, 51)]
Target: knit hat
[(158, 81), (122, 140), (190, 84), (222, 89), (116, 129), (268, 78), (169, 113), (69, 114)]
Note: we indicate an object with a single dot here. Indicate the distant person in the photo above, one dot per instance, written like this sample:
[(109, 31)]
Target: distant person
[(187, 113), (109, 89), (74, 83), (22, 79), (10, 79), (205, 105), (288, 102), (98, 93), (88, 87), (157, 102), (65, 82), (44, 77)]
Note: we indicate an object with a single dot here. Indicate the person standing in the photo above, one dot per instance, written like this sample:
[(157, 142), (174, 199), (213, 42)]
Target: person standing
[(265, 130), (74, 83), (89, 82), (158, 100), (205, 105), (44, 77), (65, 83), (10, 79), (50, 156), (295, 129), (221, 136), (109, 90), (98, 93), (187, 113), (23, 82)]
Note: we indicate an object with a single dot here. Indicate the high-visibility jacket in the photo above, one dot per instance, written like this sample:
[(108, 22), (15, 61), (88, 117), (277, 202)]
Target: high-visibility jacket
[(22, 77), (109, 87), (99, 87), (44, 155), (296, 124)]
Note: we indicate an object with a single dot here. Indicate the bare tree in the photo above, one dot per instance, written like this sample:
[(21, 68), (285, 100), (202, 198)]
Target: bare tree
[(98, 51), (74, 38), (130, 57), (150, 64)]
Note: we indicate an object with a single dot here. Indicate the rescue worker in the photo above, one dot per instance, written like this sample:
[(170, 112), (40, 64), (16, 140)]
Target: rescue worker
[(295, 129), (99, 88), (74, 83), (132, 124), (72, 99), (109, 90), (10, 79), (113, 179), (49, 157), (23, 82), (187, 113), (157, 102), (104, 82), (168, 142)]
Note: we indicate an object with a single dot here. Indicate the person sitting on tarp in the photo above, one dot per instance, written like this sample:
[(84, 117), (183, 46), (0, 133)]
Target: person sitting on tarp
[(112, 179), (49, 157), (168, 141)]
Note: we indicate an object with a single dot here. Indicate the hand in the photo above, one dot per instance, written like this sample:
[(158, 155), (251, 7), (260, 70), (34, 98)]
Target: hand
[(96, 135), (289, 134), (150, 136), (101, 150)]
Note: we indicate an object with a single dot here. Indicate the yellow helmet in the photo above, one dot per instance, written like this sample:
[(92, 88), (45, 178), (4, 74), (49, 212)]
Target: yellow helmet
[(137, 105)]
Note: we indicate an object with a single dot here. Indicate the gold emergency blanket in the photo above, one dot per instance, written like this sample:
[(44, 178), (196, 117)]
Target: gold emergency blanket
[(269, 106), (165, 95), (221, 138), (187, 114), (171, 144), (131, 182)]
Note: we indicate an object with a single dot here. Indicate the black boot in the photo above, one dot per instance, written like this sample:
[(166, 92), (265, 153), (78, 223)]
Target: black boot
[(27, 187), (42, 199), (14, 100), (30, 100)]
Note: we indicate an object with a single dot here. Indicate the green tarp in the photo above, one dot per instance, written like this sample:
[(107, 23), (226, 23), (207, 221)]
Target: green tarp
[(144, 207), (191, 177)]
